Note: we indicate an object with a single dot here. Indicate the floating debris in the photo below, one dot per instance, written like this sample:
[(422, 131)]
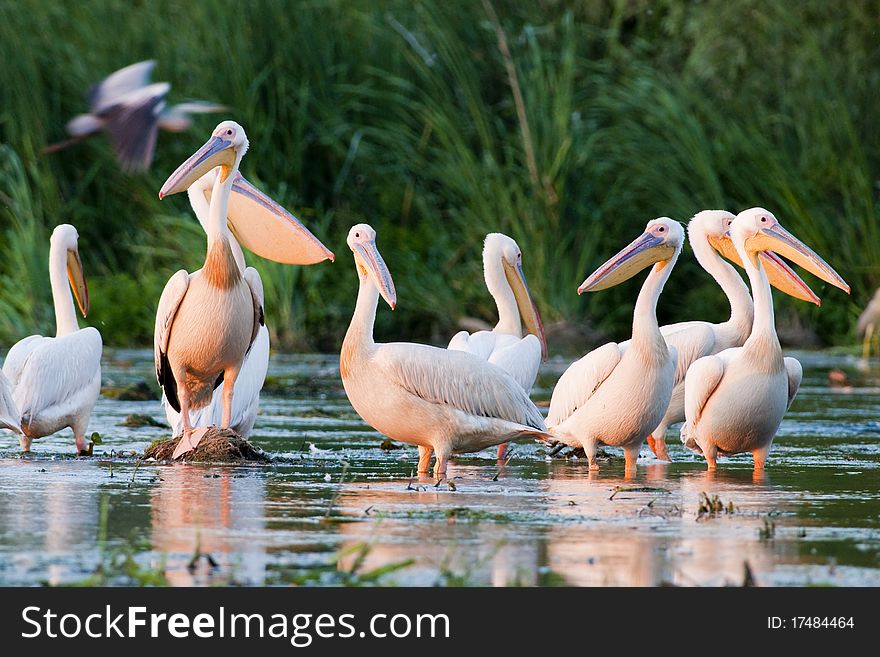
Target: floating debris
[(138, 420), (638, 489), (710, 507), (217, 446), (389, 444)]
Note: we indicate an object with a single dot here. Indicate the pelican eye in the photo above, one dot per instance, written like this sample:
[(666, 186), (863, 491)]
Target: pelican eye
[(229, 131), (357, 234), (662, 229), (763, 220)]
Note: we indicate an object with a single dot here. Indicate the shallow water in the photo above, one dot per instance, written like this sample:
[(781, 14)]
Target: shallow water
[(336, 508)]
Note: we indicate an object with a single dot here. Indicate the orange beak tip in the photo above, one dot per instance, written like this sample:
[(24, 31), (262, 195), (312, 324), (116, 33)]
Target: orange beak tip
[(161, 196)]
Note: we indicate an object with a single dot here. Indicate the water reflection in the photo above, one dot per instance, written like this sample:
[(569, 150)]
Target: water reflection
[(213, 510)]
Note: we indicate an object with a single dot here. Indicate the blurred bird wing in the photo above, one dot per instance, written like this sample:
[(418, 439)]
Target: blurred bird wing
[(692, 340), (703, 378), (198, 107), (871, 315), (10, 418), (581, 380), (59, 374), (117, 84), (460, 380), (132, 125), (521, 360)]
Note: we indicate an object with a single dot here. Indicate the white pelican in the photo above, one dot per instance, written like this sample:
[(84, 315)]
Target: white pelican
[(708, 235), (445, 401), (268, 230), (735, 400), (869, 321), (56, 381), (505, 345), (207, 321), (9, 417), (131, 110), (616, 394)]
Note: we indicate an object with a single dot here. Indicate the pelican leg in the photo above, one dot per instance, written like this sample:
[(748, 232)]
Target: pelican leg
[(502, 452), (425, 459), (710, 452), (25, 443), (759, 456), (658, 446), (631, 457), (590, 448), (229, 377), (440, 464), (83, 446)]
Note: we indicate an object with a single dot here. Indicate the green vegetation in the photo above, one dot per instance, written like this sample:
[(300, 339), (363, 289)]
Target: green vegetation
[(565, 124)]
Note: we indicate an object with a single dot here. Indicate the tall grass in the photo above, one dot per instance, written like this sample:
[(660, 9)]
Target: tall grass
[(565, 125)]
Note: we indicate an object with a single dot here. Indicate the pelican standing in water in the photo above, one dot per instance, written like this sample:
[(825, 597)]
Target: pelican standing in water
[(208, 320), (735, 400), (708, 236), (272, 232), (505, 346), (56, 381), (616, 394), (443, 401)]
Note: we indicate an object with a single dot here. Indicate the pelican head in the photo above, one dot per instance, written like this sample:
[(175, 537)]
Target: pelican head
[(714, 226), (503, 249), (661, 241), (370, 265), (756, 230), (65, 239), (225, 148)]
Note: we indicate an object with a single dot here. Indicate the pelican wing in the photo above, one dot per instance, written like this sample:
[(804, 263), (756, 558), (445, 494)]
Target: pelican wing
[(521, 360), (60, 374), (169, 302), (691, 341), (133, 124), (701, 381), (120, 83), (15, 361), (10, 418), (795, 373), (255, 283), (581, 380), (479, 343), (459, 380)]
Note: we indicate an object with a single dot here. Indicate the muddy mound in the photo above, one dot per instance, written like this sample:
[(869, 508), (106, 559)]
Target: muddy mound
[(217, 446)]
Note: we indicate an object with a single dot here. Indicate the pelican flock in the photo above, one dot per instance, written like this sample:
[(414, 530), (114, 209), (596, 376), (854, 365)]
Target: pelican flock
[(272, 232), (735, 400), (446, 402), (708, 234), (55, 381), (728, 381)]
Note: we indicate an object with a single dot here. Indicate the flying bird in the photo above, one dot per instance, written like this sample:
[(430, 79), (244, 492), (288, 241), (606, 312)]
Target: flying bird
[(56, 380), (131, 109), (270, 231), (444, 401), (735, 400)]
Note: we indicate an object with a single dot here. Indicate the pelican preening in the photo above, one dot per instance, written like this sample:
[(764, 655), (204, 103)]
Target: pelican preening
[(505, 346), (131, 110), (708, 236), (441, 400), (56, 381), (268, 230), (735, 400), (616, 394)]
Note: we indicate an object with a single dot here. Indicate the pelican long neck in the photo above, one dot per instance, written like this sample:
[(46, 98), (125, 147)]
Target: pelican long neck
[(741, 308), (509, 320), (646, 331), (764, 324), (202, 209), (359, 336), (65, 313), (221, 267)]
